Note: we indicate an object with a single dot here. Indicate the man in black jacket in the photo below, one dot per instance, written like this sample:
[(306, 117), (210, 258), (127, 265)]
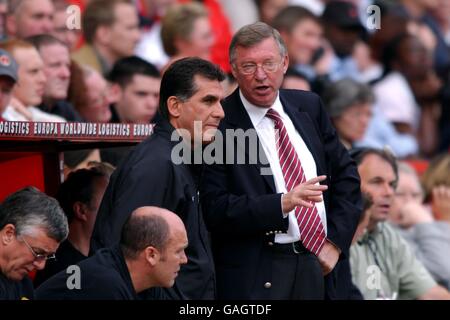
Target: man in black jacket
[(156, 174), (276, 232)]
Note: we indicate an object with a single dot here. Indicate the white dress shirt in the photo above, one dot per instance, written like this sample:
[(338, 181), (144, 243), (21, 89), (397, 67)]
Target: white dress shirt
[(11, 114), (265, 128), (150, 47)]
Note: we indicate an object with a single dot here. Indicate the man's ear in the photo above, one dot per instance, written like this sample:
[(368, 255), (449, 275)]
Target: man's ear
[(7, 234), (233, 70), (285, 35), (174, 107), (80, 211), (115, 92), (152, 255), (181, 45), (285, 63), (11, 25), (103, 35)]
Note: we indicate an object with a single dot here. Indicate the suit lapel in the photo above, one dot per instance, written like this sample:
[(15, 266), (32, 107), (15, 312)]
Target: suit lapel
[(303, 123), (238, 118)]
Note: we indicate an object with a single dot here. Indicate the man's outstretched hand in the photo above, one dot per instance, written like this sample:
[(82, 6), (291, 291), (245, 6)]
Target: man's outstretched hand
[(304, 194)]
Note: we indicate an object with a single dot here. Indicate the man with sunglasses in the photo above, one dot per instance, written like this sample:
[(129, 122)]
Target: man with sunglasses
[(32, 225), (276, 232)]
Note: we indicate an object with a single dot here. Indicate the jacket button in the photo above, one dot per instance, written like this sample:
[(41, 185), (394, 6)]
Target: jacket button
[(267, 285)]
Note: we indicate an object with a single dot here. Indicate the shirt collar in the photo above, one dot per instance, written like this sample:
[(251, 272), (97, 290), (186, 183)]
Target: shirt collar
[(104, 65), (378, 229), (257, 114)]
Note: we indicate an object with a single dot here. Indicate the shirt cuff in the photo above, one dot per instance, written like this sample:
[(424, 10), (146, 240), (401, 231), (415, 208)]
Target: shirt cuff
[(285, 215), (331, 242)]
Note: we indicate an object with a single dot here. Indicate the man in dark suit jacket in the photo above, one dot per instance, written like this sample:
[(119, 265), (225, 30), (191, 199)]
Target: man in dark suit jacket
[(154, 175), (249, 209)]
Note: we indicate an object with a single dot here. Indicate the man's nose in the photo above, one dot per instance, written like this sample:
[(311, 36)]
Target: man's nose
[(65, 72), (260, 74), (39, 264), (42, 77), (48, 25), (183, 258), (389, 190), (152, 101), (218, 112)]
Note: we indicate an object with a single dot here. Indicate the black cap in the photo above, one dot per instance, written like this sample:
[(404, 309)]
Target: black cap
[(342, 14)]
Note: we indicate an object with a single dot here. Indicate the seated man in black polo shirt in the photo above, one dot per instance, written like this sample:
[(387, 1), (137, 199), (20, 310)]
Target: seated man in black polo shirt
[(32, 225), (79, 196), (149, 254)]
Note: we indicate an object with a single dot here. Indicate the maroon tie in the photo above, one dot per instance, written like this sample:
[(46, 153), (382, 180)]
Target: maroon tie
[(312, 233)]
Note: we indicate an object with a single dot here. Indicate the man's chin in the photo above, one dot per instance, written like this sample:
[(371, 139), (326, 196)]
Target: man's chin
[(381, 216), (209, 137), (17, 276)]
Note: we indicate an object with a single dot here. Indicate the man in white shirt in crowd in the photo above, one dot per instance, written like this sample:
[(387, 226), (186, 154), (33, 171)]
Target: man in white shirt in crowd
[(29, 91)]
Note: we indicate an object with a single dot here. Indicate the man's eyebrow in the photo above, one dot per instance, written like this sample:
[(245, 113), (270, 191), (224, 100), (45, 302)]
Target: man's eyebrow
[(41, 251), (210, 97), (142, 91)]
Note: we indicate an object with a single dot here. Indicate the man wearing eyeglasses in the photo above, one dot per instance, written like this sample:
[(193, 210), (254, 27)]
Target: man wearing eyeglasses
[(32, 225), (276, 232)]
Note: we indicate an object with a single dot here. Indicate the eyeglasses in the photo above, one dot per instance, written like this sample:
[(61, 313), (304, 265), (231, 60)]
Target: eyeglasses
[(39, 256), (268, 67)]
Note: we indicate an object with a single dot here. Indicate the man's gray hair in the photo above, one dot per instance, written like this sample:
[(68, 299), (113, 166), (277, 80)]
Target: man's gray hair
[(343, 94), (29, 209), (253, 34)]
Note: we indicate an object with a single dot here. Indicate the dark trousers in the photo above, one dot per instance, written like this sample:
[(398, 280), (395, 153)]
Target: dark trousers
[(296, 274)]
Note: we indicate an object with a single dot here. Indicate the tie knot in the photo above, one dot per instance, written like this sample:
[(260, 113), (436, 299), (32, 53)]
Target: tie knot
[(275, 116)]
